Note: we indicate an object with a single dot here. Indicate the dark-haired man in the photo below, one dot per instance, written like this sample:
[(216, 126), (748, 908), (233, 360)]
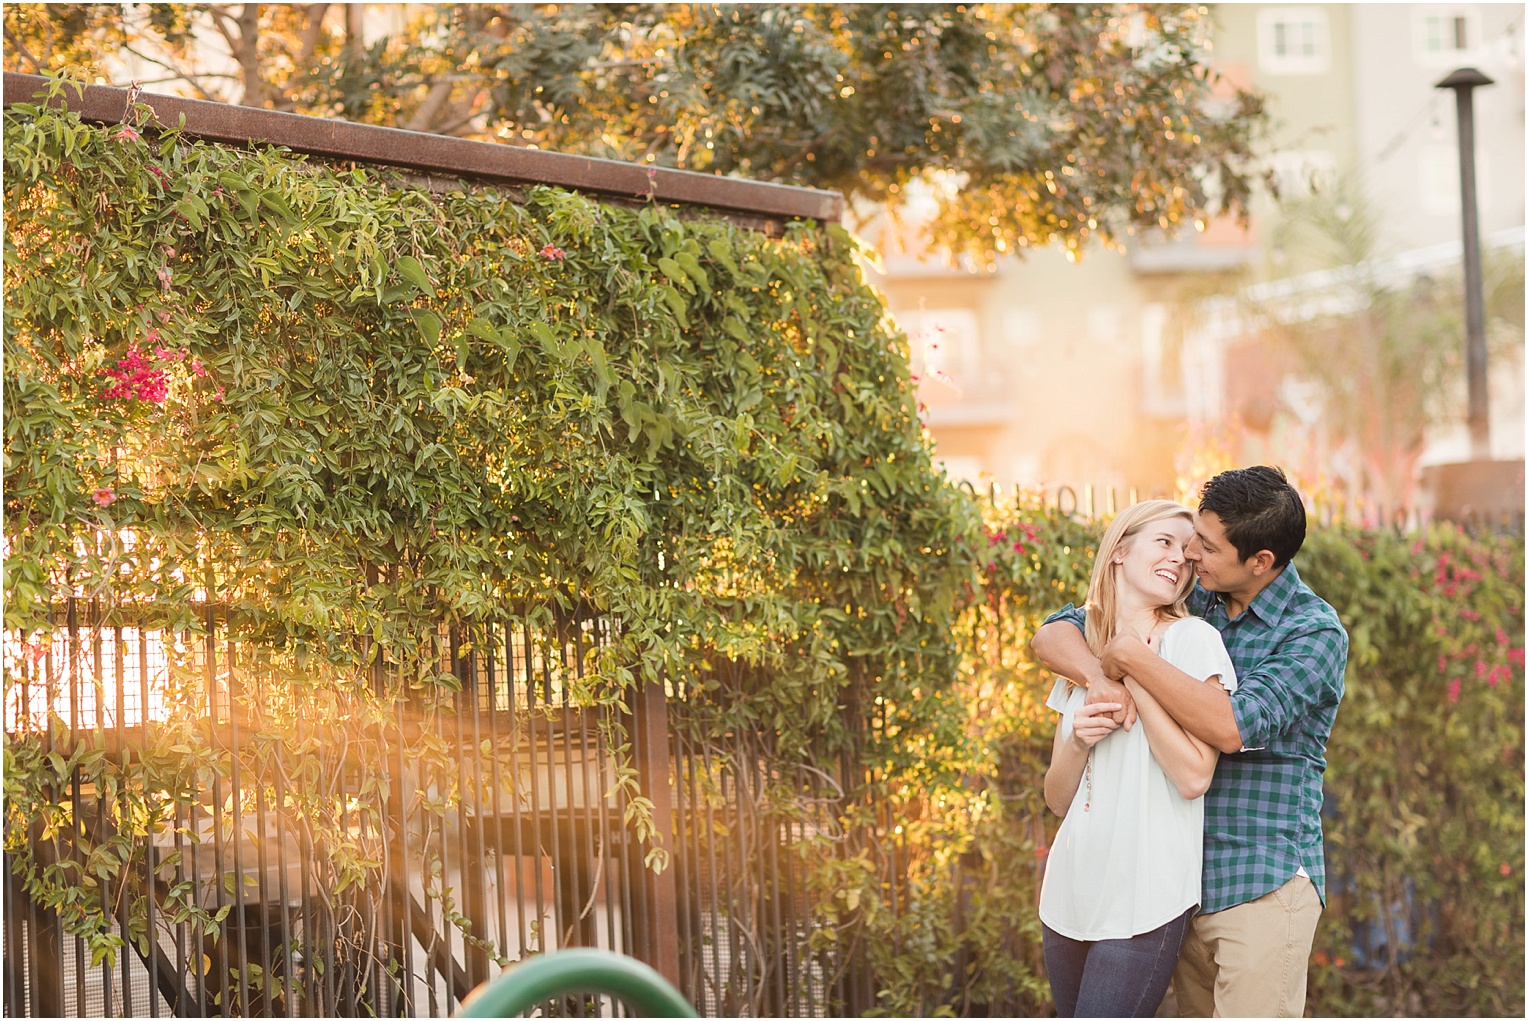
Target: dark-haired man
[(1264, 862)]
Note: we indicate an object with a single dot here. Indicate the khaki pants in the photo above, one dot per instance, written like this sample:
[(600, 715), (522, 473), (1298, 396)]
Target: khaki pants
[(1250, 960)]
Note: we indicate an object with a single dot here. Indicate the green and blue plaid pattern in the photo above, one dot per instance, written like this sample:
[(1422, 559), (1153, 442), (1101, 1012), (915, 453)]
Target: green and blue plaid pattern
[(1262, 815)]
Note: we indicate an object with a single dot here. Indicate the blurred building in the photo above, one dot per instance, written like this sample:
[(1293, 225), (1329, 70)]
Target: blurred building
[(1138, 370)]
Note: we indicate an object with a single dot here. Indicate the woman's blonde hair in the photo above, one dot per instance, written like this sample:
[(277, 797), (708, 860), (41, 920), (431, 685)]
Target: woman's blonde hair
[(1102, 611)]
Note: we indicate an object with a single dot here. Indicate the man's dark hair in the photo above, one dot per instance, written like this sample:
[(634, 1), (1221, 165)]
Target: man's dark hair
[(1259, 509)]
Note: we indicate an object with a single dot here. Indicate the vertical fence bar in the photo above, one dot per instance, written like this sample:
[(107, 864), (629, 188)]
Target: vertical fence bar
[(236, 801), (650, 728), (150, 893), (124, 811), (75, 817), (17, 911), (501, 914), (526, 835), (98, 732), (469, 829), (400, 865)]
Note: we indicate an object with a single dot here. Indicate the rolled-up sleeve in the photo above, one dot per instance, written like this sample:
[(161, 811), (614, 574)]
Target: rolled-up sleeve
[(1305, 672), (1071, 614)]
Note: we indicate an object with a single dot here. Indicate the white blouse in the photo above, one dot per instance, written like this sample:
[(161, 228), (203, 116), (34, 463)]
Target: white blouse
[(1132, 862)]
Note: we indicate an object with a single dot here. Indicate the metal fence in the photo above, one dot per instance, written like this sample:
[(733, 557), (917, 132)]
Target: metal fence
[(1093, 502), (510, 840)]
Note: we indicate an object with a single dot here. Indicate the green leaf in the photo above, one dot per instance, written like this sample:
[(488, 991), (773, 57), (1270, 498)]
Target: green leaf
[(429, 325), (674, 272), (411, 270), (483, 330)]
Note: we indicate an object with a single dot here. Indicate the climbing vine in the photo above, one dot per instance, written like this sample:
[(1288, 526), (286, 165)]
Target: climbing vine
[(356, 413)]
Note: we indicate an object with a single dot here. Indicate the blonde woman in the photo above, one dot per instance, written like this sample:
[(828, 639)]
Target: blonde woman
[(1122, 880)]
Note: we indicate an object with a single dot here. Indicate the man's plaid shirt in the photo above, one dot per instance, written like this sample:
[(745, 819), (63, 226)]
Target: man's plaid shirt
[(1262, 815)]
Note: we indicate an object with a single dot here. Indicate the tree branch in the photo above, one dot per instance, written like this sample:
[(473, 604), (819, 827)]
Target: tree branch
[(434, 100), (191, 78), (16, 44), (248, 56)]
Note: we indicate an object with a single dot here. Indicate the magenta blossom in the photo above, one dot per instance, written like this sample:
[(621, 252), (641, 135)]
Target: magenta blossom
[(136, 379)]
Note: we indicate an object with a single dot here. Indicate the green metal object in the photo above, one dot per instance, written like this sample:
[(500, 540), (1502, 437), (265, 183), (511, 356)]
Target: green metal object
[(572, 972)]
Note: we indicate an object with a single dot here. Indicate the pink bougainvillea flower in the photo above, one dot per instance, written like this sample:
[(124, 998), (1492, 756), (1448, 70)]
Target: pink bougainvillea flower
[(1453, 690), (136, 379), (127, 134), (197, 367), (219, 395), (552, 253), (104, 497), (166, 279), (37, 652)]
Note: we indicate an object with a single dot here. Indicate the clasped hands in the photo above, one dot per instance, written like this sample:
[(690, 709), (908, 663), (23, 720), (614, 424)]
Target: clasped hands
[(1107, 686)]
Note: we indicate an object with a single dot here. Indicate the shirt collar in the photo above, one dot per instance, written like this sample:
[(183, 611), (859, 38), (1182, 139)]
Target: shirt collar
[(1270, 604)]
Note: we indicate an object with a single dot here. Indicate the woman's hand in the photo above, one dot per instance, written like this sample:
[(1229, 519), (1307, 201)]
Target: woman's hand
[(1092, 723)]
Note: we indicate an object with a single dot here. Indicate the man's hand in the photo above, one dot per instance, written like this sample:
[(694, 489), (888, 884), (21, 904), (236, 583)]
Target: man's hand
[(1120, 656), (1103, 689), (1061, 649)]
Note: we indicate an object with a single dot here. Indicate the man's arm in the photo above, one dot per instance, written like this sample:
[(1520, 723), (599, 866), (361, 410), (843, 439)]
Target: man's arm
[(1061, 649), (1304, 673), (1204, 710)]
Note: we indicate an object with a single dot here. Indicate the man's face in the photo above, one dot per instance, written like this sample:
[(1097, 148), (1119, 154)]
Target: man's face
[(1221, 568)]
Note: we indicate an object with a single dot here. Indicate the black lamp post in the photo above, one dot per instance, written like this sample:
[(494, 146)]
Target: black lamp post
[(1464, 82)]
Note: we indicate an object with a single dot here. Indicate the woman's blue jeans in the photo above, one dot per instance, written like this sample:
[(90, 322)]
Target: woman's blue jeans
[(1114, 977)]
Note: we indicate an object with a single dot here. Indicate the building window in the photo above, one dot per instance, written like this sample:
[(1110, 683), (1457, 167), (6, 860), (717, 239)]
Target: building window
[(1293, 40), (1446, 33)]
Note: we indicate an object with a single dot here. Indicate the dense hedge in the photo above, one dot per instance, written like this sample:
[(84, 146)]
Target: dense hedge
[(1424, 813)]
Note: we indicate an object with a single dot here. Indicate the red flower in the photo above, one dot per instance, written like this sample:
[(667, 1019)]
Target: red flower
[(104, 497), (136, 379), (552, 253)]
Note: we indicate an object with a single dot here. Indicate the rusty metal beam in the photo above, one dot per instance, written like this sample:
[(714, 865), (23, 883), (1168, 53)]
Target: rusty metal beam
[(489, 162)]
